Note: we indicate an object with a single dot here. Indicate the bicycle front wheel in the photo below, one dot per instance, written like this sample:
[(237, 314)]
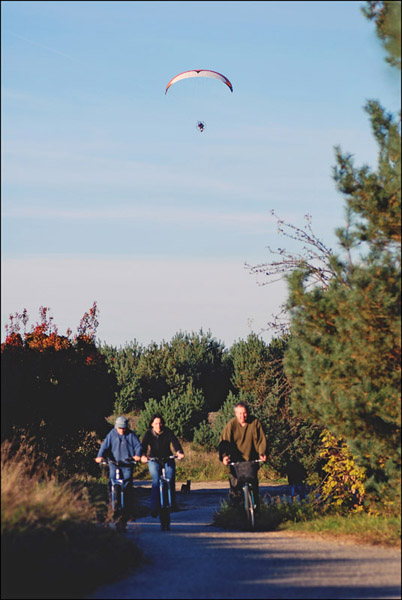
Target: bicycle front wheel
[(164, 516), (165, 495), (249, 507), (115, 498), (164, 513)]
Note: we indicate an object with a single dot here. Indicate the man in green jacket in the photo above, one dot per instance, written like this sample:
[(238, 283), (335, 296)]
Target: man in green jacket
[(242, 439)]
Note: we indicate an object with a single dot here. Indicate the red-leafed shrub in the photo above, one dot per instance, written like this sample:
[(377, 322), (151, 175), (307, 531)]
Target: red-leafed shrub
[(56, 389)]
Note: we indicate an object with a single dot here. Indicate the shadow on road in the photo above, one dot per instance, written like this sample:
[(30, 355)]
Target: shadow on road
[(195, 560)]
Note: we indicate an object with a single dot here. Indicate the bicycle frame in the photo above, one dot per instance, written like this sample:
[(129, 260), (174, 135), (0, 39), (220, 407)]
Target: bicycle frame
[(249, 503), (117, 492), (165, 492)]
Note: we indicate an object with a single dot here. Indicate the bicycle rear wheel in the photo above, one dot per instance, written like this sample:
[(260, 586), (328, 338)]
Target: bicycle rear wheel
[(249, 507)]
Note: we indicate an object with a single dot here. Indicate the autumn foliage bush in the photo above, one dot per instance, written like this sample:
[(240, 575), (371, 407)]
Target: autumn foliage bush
[(343, 484), (56, 389)]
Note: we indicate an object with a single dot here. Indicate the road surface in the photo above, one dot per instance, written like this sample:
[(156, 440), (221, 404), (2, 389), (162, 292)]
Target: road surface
[(198, 561)]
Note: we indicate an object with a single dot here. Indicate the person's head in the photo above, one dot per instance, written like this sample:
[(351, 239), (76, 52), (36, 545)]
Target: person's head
[(241, 412), (157, 423), (121, 425)]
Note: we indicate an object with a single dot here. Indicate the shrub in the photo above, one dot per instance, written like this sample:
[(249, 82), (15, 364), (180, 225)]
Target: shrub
[(182, 412), (343, 486), (204, 436), (55, 390)]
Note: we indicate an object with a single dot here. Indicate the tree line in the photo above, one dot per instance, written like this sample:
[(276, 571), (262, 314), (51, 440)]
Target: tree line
[(59, 390), (195, 381)]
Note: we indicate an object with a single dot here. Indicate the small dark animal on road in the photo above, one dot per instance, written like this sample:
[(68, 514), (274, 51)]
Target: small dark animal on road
[(185, 488)]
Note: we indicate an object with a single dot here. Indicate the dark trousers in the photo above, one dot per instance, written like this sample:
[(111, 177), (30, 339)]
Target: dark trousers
[(236, 486), (155, 470)]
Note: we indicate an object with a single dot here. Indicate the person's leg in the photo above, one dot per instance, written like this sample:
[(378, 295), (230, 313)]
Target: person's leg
[(235, 489), (256, 492), (128, 493), (301, 491), (112, 477), (117, 492), (154, 470)]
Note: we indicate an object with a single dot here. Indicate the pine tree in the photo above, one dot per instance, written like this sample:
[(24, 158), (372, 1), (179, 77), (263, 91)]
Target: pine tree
[(344, 354)]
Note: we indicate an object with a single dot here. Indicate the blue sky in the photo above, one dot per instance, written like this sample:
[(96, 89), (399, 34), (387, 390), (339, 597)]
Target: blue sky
[(109, 192)]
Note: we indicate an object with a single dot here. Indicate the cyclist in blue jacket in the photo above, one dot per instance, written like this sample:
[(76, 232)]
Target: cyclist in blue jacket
[(119, 444)]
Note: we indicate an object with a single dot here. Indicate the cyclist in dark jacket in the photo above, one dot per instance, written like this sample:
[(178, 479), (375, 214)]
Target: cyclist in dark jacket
[(119, 444), (159, 442), (242, 439)]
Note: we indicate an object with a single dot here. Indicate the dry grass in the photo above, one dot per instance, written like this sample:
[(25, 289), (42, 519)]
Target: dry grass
[(31, 496), (199, 465), (50, 534)]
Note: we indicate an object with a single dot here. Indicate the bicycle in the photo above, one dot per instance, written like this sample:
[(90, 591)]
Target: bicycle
[(117, 491), (165, 493), (246, 472)]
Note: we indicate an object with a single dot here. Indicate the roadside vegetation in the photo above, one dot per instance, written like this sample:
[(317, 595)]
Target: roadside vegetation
[(326, 389), (305, 517), (52, 544)]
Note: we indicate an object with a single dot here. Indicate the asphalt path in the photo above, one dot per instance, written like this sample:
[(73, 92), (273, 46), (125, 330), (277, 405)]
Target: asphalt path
[(198, 561)]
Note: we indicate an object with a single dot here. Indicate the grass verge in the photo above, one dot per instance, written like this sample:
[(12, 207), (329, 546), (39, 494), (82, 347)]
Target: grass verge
[(302, 517), (364, 528)]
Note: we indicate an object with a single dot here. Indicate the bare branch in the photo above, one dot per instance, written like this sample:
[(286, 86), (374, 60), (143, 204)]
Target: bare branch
[(314, 256)]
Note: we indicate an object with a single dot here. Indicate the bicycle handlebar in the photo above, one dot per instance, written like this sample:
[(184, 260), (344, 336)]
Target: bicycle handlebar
[(161, 460), (241, 462), (119, 463)]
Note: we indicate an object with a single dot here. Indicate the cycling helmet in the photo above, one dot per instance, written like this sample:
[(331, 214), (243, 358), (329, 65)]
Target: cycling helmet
[(121, 422)]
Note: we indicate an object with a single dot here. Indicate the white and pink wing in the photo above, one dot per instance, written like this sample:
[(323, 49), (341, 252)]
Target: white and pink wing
[(199, 73)]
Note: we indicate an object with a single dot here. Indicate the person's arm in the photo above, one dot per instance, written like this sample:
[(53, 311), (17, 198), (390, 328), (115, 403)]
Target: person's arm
[(137, 448), (176, 446), (145, 444), (225, 445), (261, 442), (102, 450)]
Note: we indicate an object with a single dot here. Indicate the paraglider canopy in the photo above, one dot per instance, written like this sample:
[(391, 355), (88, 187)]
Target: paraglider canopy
[(199, 73)]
